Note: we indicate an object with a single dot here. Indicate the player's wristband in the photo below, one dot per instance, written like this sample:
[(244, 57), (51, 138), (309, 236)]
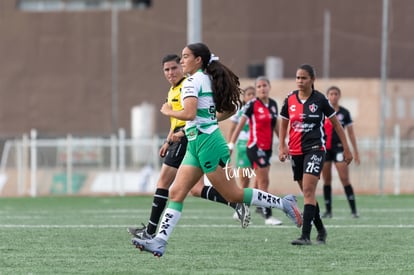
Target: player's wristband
[(230, 145)]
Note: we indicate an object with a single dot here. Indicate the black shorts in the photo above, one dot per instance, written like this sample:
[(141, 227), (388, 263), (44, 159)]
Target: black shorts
[(309, 163), (175, 153), (335, 155), (259, 157)]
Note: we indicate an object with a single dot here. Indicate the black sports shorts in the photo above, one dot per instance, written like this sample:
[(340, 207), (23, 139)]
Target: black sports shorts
[(309, 163), (176, 152), (335, 155), (259, 157)]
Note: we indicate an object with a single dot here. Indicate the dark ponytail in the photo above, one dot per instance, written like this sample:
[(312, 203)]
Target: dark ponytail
[(225, 84)]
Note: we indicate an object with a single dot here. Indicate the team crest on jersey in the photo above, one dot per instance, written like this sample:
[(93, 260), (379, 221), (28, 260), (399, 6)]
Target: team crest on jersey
[(313, 107)]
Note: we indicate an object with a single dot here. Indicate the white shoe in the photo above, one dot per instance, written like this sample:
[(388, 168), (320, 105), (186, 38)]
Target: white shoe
[(273, 221), (236, 217)]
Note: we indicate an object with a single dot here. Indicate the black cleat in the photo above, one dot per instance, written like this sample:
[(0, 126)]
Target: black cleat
[(140, 232), (327, 215), (321, 237), (243, 214), (301, 241)]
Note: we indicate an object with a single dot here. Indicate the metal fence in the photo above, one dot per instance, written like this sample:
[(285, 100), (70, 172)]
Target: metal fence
[(114, 165), (120, 166)]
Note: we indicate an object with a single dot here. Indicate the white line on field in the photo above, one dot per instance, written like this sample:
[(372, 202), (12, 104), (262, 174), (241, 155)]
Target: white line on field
[(94, 226), (188, 210)]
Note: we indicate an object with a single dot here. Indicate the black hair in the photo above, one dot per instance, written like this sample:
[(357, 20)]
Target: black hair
[(333, 88), (310, 70), (170, 57), (243, 91), (224, 83)]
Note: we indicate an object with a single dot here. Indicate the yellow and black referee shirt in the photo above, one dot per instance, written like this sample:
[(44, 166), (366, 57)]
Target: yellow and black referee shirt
[(174, 99)]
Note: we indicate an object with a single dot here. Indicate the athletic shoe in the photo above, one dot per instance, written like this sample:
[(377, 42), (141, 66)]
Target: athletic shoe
[(321, 237), (140, 232), (327, 215), (272, 221), (156, 246), (235, 216), (355, 215), (243, 214), (301, 241), (259, 210), (291, 210)]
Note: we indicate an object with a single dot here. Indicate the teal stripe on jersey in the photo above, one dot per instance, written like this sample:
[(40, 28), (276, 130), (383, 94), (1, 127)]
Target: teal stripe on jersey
[(202, 94), (206, 113)]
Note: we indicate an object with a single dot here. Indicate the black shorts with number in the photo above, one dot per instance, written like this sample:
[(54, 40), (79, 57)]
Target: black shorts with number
[(309, 163), (176, 151), (259, 157)]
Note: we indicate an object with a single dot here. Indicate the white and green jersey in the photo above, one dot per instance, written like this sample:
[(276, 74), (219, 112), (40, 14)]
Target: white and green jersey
[(244, 133), (199, 85)]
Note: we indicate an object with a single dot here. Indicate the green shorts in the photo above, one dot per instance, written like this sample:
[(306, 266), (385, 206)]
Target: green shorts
[(242, 161), (207, 151)]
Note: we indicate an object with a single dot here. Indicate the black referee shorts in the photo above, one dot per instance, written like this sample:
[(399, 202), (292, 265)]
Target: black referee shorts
[(175, 153)]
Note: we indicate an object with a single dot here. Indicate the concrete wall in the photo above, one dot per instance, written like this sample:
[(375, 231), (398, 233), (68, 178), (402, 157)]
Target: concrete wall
[(55, 69), (363, 98)]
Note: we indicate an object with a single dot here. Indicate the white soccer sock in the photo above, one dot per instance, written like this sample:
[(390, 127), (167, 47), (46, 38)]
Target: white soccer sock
[(169, 221), (264, 199)]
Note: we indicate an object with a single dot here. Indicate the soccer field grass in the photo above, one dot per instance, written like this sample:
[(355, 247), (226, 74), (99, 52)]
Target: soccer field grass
[(81, 235)]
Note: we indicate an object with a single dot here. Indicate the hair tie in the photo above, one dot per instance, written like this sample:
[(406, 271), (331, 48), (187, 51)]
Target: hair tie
[(213, 58)]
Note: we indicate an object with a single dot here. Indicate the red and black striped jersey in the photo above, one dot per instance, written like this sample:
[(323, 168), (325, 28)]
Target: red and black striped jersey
[(332, 138), (262, 122), (306, 121)]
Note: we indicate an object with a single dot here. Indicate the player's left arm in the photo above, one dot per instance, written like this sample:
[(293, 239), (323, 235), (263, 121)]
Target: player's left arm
[(351, 135), (277, 127), (283, 148), (341, 134)]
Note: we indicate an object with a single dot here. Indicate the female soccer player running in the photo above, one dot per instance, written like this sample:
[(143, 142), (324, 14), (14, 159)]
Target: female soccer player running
[(210, 94)]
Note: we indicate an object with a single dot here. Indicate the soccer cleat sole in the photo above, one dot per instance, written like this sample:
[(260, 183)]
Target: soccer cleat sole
[(298, 215), (142, 248)]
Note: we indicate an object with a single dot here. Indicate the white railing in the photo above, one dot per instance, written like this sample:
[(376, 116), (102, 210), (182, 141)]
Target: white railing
[(31, 166)]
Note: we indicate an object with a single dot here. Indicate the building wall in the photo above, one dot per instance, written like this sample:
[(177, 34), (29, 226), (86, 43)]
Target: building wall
[(362, 97), (55, 69)]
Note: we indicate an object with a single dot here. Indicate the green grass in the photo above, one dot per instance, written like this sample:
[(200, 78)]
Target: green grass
[(71, 235)]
